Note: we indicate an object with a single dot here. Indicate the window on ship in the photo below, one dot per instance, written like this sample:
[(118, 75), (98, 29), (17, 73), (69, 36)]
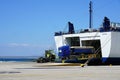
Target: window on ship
[(73, 41)]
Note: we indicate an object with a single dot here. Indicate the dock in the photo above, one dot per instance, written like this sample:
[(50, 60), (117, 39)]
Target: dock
[(43, 71)]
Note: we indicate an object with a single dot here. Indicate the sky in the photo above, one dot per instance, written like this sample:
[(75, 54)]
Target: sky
[(27, 27)]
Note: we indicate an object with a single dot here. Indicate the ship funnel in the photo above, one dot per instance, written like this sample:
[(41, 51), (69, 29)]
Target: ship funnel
[(71, 28), (106, 24)]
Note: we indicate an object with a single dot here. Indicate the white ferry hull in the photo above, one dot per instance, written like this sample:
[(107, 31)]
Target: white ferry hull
[(109, 43)]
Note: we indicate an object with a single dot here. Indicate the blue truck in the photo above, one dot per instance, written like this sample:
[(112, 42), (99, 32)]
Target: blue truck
[(76, 54)]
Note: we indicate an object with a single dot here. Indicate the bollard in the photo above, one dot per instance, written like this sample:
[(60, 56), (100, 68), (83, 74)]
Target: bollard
[(110, 64), (63, 61), (82, 65)]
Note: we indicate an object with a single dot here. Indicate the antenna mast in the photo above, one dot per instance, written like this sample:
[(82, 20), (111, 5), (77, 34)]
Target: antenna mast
[(90, 16)]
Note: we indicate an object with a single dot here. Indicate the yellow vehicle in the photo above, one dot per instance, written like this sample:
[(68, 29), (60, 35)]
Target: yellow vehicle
[(49, 57)]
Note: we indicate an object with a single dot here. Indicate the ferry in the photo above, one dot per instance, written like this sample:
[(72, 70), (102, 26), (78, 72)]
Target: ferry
[(102, 44)]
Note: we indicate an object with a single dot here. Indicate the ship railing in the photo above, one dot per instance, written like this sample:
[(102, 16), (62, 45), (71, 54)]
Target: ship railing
[(112, 29), (76, 32)]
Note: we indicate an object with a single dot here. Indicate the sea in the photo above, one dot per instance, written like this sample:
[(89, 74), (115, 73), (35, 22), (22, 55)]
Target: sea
[(18, 58)]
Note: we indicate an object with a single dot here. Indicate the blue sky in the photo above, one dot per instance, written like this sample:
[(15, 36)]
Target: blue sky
[(27, 26)]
